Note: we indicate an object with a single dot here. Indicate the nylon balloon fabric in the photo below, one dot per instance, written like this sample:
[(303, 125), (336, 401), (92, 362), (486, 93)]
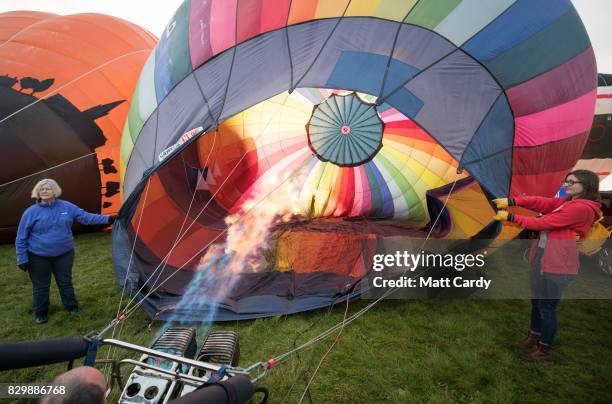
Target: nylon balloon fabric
[(65, 88), (377, 107)]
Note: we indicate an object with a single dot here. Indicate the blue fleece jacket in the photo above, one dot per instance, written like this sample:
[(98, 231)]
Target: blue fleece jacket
[(45, 230)]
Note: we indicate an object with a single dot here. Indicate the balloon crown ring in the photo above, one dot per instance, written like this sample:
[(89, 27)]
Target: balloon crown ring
[(345, 130)]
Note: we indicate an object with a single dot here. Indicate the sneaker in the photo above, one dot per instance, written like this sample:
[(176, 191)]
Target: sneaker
[(41, 319), (74, 310)]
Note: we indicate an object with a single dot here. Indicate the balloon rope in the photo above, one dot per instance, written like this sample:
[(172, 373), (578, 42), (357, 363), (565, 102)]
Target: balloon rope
[(28, 28), (327, 352), (178, 235), (127, 313), (47, 169), (331, 33), (181, 236), (87, 73), (397, 32), (277, 359), (110, 352)]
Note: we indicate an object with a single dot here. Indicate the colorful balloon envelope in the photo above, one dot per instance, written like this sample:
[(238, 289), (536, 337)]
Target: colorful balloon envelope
[(66, 84), (372, 105)]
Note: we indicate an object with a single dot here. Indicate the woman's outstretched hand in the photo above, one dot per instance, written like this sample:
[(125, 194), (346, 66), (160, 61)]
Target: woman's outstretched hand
[(501, 215), (501, 203)]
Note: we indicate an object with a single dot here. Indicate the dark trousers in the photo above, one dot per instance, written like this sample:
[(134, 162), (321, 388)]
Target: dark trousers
[(546, 290), (40, 272)]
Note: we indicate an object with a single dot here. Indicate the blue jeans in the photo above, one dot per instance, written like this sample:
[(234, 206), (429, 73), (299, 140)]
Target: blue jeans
[(546, 291), (40, 272)]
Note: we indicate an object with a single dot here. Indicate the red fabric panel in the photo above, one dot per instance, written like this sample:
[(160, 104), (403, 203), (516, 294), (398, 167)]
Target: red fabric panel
[(553, 156), (409, 129), (276, 14), (347, 192), (546, 184), (193, 246), (342, 253), (249, 13)]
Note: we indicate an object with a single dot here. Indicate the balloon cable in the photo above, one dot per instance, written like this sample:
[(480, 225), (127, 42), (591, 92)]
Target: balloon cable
[(180, 236), (129, 311), (164, 261), (339, 326)]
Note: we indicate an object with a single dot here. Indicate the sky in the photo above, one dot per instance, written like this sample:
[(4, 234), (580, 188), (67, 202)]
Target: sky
[(154, 14)]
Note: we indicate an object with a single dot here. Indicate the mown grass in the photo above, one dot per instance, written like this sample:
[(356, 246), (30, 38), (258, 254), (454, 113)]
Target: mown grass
[(402, 351)]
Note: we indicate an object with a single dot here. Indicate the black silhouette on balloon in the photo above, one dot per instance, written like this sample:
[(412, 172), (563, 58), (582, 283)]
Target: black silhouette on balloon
[(37, 86), (49, 137)]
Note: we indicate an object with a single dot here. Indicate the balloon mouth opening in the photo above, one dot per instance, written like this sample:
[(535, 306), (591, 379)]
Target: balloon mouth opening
[(345, 129)]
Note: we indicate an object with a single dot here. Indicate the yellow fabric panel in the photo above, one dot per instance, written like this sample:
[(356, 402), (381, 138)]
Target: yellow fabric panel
[(330, 9), (359, 8), (322, 194)]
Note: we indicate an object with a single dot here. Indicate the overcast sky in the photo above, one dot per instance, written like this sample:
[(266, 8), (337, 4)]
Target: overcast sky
[(154, 14)]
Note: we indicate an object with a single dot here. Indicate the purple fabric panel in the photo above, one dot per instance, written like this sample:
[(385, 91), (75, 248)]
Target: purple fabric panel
[(351, 35), (260, 70), (199, 32), (578, 75), (142, 156), (420, 47), (457, 93), (178, 115)]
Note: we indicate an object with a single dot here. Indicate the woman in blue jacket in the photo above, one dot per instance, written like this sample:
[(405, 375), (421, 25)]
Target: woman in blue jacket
[(45, 245)]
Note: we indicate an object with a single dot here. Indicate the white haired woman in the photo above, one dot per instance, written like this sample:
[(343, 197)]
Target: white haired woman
[(44, 245)]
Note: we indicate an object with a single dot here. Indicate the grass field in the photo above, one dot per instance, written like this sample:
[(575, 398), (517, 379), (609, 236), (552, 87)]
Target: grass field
[(402, 351)]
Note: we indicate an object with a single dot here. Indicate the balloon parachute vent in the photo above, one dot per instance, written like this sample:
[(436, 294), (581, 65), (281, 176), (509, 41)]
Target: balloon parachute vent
[(145, 384), (345, 130), (221, 347)]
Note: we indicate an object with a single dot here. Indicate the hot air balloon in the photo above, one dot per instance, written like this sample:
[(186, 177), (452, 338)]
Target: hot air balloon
[(379, 108), (597, 154), (65, 87)]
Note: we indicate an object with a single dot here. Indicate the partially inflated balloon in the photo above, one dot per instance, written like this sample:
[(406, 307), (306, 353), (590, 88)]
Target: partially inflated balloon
[(371, 104), (66, 84)]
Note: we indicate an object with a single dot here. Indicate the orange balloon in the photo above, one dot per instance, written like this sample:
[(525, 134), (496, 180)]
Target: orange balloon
[(66, 84)]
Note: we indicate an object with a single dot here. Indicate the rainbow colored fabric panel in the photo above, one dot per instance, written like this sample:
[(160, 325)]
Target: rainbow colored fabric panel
[(268, 140), (495, 83), (373, 107)]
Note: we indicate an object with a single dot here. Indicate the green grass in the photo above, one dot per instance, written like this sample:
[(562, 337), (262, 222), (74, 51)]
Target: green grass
[(402, 351)]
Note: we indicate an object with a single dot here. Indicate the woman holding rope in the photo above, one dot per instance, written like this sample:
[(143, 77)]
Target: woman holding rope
[(554, 255), (44, 245)]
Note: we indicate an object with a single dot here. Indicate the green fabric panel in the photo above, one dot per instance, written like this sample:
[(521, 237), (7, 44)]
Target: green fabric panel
[(547, 49), (134, 122), (406, 188), (393, 9), (178, 45), (126, 146), (429, 13)]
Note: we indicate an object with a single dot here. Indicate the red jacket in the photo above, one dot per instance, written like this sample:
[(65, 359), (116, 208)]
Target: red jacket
[(564, 219)]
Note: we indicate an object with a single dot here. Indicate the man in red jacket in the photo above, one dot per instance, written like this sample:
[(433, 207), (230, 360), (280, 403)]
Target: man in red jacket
[(554, 254)]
